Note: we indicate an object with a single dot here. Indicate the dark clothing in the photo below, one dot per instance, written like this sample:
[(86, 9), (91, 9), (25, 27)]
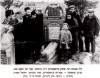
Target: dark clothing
[(28, 27), (27, 19), (88, 41), (91, 29), (28, 38), (77, 17), (40, 27), (33, 28), (18, 32), (75, 46), (80, 29), (73, 28), (80, 38), (90, 26), (26, 50)]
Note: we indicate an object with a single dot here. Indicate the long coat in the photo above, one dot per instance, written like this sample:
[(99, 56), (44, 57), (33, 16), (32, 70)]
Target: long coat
[(33, 28)]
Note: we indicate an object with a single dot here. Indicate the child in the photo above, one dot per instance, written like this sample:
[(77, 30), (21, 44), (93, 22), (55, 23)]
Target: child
[(66, 37)]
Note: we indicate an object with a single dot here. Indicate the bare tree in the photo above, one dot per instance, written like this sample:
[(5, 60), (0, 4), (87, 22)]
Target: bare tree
[(7, 3), (81, 5)]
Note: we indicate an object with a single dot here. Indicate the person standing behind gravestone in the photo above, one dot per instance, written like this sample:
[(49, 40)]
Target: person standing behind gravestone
[(37, 31), (40, 25), (91, 30), (26, 23), (73, 25), (76, 16)]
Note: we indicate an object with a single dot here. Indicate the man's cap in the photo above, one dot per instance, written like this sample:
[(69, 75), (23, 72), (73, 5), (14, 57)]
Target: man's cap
[(90, 10), (72, 6), (27, 8)]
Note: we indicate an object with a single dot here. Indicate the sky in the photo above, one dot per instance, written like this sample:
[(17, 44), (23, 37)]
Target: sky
[(62, 1), (97, 10)]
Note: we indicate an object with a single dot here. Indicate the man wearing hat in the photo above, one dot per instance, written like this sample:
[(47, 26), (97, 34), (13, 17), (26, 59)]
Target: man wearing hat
[(78, 35), (91, 30)]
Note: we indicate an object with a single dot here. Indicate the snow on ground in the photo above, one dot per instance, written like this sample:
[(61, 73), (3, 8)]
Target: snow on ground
[(87, 58)]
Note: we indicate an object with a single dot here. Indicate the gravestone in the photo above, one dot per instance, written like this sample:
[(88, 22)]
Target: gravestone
[(54, 17)]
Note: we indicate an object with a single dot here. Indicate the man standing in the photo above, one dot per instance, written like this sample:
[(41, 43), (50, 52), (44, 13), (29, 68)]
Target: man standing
[(91, 30), (27, 23), (37, 33), (40, 25), (78, 36), (22, 46)]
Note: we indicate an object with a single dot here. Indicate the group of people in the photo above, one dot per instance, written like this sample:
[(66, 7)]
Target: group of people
[(30, 34), (74, 29), (27, 33)]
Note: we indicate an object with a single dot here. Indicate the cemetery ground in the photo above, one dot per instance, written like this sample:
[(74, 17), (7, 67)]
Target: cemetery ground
[(77, 58)]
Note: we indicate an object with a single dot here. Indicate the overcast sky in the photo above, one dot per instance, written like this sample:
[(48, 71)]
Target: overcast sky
[(62, 1), (97, 10)]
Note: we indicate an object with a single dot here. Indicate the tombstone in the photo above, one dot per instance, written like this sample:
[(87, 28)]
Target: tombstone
[(54, 16)]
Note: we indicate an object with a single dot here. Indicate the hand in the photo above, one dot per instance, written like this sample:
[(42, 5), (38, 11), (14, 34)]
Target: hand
[(82, 32), (63, 43)]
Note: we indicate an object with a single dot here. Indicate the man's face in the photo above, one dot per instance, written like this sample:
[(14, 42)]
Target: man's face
[(72, 10), (91, 14), (28, 12), (18, 16), (13, 17)]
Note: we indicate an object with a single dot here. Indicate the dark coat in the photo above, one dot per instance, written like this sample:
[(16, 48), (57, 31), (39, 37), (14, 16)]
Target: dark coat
[(26, 27), (33, 28), (40, 27), (73, 26), (18, 32), (91, 26), (77, 17)]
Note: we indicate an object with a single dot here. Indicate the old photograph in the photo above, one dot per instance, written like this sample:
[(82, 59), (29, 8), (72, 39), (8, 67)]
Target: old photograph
[(49, 32)]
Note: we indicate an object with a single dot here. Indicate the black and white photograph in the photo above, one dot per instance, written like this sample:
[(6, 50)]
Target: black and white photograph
[(37, 32)]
